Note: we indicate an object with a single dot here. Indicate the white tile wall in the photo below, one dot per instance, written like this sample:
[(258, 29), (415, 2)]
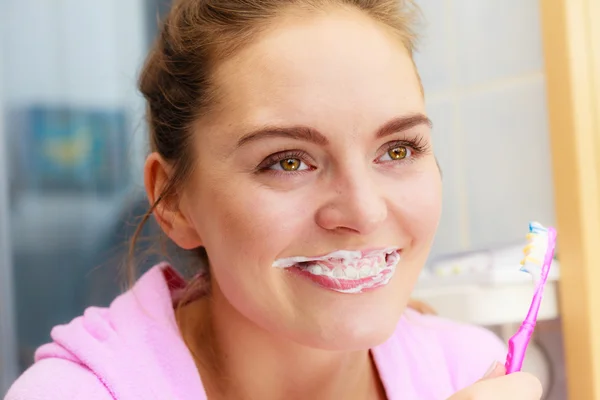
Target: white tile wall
[(26, 82), (451, 234), (497, 39), (435, 52), (482, 68), (90, 52), (508, 180)]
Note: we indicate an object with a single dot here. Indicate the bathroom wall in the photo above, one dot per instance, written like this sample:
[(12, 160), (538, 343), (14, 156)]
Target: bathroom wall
[(482, 68), (78, 60), (76, 53)]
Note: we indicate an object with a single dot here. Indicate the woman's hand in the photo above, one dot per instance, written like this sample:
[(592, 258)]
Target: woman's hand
[(496, 385)]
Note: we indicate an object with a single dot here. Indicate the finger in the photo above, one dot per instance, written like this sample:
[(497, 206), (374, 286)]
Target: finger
[(496, 370), (519, 385)]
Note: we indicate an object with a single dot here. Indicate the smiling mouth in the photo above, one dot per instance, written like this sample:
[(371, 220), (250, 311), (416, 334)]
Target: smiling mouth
[(346, 271)]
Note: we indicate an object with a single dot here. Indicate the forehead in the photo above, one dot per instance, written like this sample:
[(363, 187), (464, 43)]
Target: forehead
[(320, 70)]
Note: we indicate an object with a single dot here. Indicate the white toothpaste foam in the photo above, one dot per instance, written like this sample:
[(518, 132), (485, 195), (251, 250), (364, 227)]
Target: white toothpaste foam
[(377, 281), (346, 265), (346, 257)]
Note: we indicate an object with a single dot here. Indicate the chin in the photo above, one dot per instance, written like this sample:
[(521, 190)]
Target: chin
[(348, 322), (350, 332)]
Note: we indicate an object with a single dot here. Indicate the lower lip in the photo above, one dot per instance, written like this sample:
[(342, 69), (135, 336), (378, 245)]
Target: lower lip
[(346, 285)]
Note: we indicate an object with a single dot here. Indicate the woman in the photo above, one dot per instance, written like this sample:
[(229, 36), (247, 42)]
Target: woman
[(291, 149)]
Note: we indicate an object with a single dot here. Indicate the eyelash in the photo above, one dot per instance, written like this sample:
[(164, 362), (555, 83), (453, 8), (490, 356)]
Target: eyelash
[(284, 155), (418, 146)]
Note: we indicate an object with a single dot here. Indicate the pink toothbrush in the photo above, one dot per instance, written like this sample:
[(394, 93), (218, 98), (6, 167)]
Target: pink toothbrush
[(538, 259)]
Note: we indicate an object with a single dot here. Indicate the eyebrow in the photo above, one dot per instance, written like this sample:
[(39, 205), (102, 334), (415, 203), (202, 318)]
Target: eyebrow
[(400, 124), (307, 134), (304, 133)]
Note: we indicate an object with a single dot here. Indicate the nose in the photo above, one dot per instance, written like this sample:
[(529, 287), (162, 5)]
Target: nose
[(355, 203)]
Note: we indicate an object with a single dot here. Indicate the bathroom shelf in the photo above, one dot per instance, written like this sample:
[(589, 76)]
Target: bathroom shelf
[(486, 287), (488, 304)]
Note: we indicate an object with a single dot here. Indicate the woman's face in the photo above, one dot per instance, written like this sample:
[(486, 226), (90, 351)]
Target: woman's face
[(321, 144)]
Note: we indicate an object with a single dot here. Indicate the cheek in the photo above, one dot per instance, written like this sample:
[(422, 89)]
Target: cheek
[(251, 221), (419, 206)]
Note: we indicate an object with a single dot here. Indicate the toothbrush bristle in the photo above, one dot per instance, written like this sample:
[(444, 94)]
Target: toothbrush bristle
[(535, 250)]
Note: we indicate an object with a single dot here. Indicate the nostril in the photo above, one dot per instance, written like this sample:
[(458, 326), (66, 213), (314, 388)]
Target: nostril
[(344, 229)]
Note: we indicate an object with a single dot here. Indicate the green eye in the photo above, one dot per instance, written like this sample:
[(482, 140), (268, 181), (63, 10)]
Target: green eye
[(290, 164), (398, 153)]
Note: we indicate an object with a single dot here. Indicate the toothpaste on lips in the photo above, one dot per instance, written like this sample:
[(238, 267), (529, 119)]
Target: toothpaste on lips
[(347, 271)]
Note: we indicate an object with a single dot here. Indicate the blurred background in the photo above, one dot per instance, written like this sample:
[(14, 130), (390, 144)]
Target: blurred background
[(73, 139)]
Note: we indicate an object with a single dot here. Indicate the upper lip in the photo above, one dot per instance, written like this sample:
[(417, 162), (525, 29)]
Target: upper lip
[(288, 261)]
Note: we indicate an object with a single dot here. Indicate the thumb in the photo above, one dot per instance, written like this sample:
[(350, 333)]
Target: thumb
[(496, 370)]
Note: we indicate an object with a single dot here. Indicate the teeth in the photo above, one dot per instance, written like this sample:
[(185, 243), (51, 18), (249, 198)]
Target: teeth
[(352, 270), (352, 257), (315, 270), (351, 273), (364, 272)]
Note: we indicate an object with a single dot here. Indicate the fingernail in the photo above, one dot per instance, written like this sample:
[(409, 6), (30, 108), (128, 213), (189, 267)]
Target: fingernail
[(491, 369)]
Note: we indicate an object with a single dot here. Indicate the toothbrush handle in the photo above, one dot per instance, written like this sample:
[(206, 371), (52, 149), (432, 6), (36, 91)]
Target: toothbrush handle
[(517, 346)]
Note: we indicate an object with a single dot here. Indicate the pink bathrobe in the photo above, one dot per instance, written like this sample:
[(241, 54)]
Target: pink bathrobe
[(133, 350)]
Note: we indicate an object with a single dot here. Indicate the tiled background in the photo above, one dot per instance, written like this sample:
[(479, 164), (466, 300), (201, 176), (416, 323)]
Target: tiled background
[(481, 63), (482, 68)]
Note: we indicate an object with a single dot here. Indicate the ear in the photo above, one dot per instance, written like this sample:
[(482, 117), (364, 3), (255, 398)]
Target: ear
[(167, 212)]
